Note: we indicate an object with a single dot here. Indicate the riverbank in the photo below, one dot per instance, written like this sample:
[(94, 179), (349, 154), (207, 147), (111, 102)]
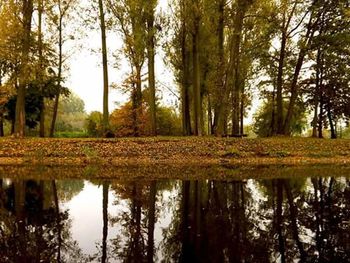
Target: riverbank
[(180, 151)]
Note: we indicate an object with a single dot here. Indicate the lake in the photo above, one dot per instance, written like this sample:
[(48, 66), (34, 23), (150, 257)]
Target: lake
[(263, 215)]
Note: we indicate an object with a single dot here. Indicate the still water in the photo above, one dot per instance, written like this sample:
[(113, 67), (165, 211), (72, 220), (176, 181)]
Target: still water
[(297, 219)]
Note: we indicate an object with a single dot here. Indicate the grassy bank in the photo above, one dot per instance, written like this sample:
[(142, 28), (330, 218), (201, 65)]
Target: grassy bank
[(174, 151), (160, 172)]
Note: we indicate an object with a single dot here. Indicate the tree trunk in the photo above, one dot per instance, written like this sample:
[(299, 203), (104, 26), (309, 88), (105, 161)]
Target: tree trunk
[(196, 71), (294, 92), (185, 54), (138, 100), (60, 64), (2, 134), (317, 92), (105, 120), (320, 118), (186, 116), (294, 85), (316, 98), (210, 117), (279, 95), (236, 92), (331, 124), (54, 116), (287, 18), (241, 114), (1, 113), (151, 74), (41, 69), (220, 86), (273, 125), (20, 119), (12, 127), (315, 119)]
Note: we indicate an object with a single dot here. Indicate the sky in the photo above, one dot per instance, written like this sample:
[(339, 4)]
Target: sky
[(85, 76)]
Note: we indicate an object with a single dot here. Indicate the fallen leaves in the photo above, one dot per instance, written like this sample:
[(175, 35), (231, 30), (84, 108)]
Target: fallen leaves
[(177, 150)]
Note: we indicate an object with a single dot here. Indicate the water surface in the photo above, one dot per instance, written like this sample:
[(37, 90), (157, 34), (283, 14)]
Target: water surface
[(299, 219)]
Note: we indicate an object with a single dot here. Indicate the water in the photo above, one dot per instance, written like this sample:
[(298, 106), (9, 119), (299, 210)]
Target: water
[(299, 219)]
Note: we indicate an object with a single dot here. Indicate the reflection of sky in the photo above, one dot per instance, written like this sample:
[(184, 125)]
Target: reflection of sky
[(85, 211), (85, 75)]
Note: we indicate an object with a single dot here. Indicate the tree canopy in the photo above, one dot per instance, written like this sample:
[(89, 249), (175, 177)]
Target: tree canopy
[(225, 56)]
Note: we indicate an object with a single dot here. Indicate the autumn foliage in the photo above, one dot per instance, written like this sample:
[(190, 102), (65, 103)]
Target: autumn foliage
[(121, 121)]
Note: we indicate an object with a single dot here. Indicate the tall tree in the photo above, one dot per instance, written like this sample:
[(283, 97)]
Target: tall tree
[(60, 18), (151, 30), (41, 65), (185, 93), (27, 13), (305, 45), (217, 125), (105, 66), (131, 22), (240, 10), (178, 56), (197, 97), (287, 13), (328, 89)]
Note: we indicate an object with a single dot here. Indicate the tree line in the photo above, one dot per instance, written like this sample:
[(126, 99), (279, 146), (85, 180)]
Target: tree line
[(294, 54)]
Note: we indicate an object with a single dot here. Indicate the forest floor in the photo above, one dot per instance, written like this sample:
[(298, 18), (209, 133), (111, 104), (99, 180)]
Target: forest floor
[(182, 151)]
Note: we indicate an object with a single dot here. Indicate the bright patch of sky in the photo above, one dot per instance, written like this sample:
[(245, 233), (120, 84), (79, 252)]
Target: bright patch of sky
[(85, 75)]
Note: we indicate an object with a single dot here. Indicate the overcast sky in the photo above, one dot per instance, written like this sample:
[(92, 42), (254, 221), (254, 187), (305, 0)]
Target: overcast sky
[(85, 76)]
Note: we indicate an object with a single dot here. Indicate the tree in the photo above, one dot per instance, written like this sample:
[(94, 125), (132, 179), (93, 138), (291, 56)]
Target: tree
[(262, 124), (105, 66), (121, 121), (178, 53), (27, 12), (59, 13), (305, 45), (131, 22), (197, 97), (41, 63), (71, 114), (328, 89), (93, 124), (151, 32)]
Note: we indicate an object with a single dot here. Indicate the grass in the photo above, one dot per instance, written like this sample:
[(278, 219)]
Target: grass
[(174, 150), (71, 135)]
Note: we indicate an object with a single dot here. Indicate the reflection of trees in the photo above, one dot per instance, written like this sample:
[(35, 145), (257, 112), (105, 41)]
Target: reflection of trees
[(286, 220), (135, 243), (105, 187), (330, 205), (310, 219), (32, 229), (67, 189), (213, 225)]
